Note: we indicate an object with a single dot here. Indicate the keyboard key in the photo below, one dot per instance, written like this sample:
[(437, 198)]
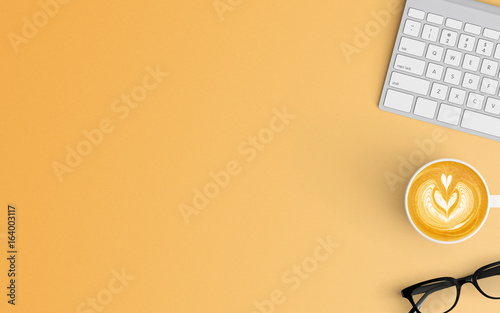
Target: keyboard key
[(497, 52), (412, 28), (466, 42), (471, 62), (435, 53), (489, 86), (475, 101), (453, 57), (412, 46), (492, 34), (473, 29), (425, 108), (457, 96), (410, 65), (409, 83), (492, 106), (448, 37), (398, 100), (434, 71), (434, 18), (416, 13), (439, 91), (481, 123), (452, 76), (484, 47), (471, 81), (430, 32), (449, 114), (489, 67), (453, 23)]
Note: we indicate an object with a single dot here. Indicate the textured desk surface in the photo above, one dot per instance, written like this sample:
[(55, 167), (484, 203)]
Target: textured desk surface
[(258, 175)]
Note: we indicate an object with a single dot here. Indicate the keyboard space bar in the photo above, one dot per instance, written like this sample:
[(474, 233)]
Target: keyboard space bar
[(481, 123)]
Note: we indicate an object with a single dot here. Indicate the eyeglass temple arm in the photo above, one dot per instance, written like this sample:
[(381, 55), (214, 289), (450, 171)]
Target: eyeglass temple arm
[(427, 291), (490, 272)]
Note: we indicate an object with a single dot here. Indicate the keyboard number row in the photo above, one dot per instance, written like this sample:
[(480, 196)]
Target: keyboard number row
[(434, 52)]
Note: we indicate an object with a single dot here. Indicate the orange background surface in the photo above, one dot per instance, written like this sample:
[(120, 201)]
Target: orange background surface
[(322, 176)]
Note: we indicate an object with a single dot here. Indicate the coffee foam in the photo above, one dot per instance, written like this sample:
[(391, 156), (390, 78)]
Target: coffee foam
[(447, 201)]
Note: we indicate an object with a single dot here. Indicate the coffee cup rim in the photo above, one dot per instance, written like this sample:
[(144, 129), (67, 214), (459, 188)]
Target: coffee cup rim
[(447, 160)]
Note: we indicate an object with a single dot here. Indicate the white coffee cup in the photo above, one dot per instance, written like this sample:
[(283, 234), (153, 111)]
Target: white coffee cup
[(492, 201)]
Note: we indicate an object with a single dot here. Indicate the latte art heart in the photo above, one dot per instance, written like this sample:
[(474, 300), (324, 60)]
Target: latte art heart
[(444, 210), (447, 201), (442, 202)]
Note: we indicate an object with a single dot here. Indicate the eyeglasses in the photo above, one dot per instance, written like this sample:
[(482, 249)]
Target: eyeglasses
[(441, 295)]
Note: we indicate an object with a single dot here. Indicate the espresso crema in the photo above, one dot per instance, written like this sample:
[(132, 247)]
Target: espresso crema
[(447, 201)]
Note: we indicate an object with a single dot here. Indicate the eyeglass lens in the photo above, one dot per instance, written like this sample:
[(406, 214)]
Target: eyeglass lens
[(435, 297), (488, 281)]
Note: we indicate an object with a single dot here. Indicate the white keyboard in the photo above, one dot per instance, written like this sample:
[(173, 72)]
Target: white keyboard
[(445, 66)]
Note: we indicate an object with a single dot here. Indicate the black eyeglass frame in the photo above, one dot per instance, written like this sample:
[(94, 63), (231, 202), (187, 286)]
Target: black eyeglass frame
[(438, 283)]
